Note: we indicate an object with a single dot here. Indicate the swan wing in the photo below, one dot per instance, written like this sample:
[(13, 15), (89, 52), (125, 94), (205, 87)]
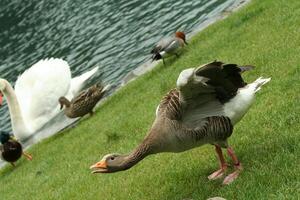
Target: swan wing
[(77, 83), (39, 88)]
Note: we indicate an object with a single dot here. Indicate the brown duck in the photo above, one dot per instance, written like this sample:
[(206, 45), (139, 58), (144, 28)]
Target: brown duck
[(208, 101), (11, 150), (84, 102)]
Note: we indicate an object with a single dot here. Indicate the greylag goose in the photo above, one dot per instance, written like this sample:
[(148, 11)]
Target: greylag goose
[(11, 150), (84, 102), (168, 46), (208, 102)]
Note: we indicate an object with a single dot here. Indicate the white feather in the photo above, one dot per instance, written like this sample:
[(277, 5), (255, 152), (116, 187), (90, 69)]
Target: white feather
[(38, 89), (237, 107)]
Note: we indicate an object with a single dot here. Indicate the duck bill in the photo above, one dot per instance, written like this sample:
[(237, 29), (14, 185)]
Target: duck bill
[(1, 98), (99, 167), (61, 106), (185, 42)]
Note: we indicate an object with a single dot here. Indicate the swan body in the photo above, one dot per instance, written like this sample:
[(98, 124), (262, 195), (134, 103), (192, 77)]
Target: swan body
[(208, 101), (34, 100)]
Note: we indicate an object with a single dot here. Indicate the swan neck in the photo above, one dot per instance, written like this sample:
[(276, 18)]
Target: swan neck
[(17, 121)]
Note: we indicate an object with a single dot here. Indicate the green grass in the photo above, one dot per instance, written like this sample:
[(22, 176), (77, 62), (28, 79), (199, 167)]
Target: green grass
[(265, 34)]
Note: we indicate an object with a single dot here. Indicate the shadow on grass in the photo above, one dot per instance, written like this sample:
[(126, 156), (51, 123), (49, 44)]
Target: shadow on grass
[(9, 169)]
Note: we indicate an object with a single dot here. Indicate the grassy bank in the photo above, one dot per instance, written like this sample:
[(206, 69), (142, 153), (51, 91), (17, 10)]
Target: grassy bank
[(265, 34)]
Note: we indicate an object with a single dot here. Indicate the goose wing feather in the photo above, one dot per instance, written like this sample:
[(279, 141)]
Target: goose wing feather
[(202, 93)]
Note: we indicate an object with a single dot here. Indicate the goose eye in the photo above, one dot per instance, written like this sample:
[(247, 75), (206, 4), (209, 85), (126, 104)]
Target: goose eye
[(112, 158)]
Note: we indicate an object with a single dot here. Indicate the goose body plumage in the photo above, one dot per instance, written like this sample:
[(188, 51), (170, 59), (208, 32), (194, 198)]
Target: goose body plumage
[(208, 101), (33, 102), (83, 103)]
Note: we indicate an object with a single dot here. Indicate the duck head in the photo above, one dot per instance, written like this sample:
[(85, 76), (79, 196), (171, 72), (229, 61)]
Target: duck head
[(4, 137), (181, 35), (63, 101), (110, 163)]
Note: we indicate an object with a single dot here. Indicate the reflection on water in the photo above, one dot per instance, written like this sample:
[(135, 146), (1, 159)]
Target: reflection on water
[(117, 35)]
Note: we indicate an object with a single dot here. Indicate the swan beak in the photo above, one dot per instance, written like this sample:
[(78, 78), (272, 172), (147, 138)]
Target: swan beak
[(99, 167), (1, 98)]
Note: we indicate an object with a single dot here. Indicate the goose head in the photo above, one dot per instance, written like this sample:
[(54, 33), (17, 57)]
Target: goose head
[(63, 101), (110, 163), (181, 35)]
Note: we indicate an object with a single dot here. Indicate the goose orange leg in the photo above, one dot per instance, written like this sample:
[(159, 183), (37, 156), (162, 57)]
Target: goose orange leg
[(237, 165), (223, 165)]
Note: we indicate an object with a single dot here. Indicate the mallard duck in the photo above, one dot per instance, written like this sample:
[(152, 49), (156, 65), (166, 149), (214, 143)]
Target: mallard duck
[(168, 46), (11, 150), (208, 101), (84, 102)]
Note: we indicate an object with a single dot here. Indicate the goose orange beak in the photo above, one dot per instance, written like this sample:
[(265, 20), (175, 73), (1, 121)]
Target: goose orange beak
[(99, 167)]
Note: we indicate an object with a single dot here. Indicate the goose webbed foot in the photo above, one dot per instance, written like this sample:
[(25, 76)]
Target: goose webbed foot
[(231, 177), (237, 165), (223, 165), (218, 174)]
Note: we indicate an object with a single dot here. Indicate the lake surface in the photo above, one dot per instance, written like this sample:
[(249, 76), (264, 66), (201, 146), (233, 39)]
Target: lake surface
[(116, 35)]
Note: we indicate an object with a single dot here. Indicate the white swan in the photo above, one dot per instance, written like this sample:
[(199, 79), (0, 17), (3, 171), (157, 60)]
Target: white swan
[(35, 98)]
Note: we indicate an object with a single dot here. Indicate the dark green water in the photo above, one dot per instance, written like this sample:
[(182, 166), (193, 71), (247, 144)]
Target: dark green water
[(117, 35)]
